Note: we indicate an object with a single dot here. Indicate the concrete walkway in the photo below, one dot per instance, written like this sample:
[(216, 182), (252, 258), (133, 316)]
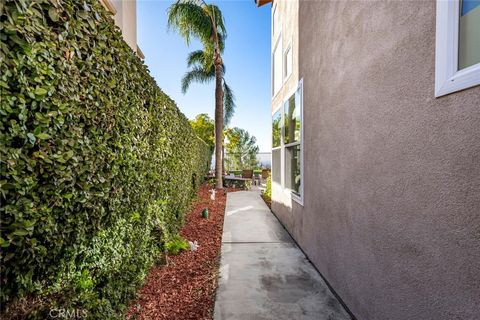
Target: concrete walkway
[(263, 274)]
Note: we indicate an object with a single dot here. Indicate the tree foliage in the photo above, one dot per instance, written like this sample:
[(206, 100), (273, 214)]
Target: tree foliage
[(241, 150), (204, 128), (97, 164)]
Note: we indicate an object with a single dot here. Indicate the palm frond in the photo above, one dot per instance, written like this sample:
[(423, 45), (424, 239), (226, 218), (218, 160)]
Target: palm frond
[(201, 58), (190, 19), (197, 74), (219, 21), (228, 103), (221, 42), (196, 58)]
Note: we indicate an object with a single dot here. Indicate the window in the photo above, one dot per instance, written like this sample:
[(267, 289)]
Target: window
[(293, 176), (276, 146), (277, 67), (287, 147), (457, 57), (276, 129), (277, 165), (275, 22), (292, 119), (288, 62)]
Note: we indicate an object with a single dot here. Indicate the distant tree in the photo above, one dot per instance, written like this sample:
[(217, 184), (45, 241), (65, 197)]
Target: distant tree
[(204, 127), (241, 149)]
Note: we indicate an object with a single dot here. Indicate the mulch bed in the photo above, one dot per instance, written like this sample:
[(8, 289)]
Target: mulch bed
[(185, 287)]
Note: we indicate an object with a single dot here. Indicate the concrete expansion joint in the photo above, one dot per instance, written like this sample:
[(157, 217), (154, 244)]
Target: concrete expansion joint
[(263, 273)]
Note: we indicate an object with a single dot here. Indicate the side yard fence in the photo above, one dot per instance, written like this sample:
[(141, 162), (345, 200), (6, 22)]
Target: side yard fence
[(98, 165)]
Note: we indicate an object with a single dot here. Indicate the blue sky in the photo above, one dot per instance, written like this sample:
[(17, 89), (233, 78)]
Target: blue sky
[(247, 59)]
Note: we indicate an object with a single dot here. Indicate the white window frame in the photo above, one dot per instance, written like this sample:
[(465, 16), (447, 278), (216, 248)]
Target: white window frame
[(278, 45), (280, 147), (448, 78), (276, 29), (285, 75), (299, 198)]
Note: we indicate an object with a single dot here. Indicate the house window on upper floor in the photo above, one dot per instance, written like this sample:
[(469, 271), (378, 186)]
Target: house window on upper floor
[(457, 57), (277, 67), (288, 61), (275, 22), (287, 145)]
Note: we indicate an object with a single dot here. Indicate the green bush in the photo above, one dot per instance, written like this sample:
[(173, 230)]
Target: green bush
[(97, 167), (268, 189), (176, 244)]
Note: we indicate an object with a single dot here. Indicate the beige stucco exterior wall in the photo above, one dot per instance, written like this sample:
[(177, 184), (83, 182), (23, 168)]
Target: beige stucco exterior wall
[(287, 11), (125, 16), (392, 174)]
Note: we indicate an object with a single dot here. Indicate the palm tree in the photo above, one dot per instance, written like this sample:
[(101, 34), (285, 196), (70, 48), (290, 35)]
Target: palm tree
[(195, 18)]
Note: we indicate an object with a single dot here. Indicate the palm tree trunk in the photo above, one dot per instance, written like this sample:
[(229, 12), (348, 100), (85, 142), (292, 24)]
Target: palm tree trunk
[(218, 124)]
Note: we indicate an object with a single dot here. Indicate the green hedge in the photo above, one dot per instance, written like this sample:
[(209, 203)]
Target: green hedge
[(98, 165)]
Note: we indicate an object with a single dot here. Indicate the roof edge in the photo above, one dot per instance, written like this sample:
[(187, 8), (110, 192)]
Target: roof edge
[(260, 3)]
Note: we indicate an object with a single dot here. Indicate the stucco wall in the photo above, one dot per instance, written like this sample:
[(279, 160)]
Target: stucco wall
[(126, 19), (288, 35), (392, 174)]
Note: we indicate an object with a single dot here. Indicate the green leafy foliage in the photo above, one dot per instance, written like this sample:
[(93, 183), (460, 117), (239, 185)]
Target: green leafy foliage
[(268, 189), (241, 150), (97, 166), (176, 244), (204, 127)]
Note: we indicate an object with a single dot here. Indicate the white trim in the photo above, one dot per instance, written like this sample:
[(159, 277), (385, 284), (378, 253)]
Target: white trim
[(285, 75), (448, 78), (107, 4), (272, 24), (276, 109), (299, 198), (279, 27), (277, 43), (292, 144)]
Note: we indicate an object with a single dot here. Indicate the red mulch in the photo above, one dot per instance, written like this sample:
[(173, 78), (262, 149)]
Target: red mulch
[(185, 287)]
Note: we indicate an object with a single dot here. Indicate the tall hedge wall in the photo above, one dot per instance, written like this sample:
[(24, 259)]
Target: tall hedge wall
[(98, 165)]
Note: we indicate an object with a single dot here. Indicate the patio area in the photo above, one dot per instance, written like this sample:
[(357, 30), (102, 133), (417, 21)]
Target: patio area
[(263, 274)]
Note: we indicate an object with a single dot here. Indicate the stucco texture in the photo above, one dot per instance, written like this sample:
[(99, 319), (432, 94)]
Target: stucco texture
[(391, 214)]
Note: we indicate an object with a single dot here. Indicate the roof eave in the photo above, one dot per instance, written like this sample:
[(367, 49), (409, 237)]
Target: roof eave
[(260, 3)]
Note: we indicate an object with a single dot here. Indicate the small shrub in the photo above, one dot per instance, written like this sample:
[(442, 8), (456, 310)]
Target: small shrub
[(268, 189), (176, 244)]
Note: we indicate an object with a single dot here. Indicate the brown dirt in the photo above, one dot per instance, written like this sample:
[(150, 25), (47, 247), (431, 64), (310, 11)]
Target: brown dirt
[(185, 287)]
